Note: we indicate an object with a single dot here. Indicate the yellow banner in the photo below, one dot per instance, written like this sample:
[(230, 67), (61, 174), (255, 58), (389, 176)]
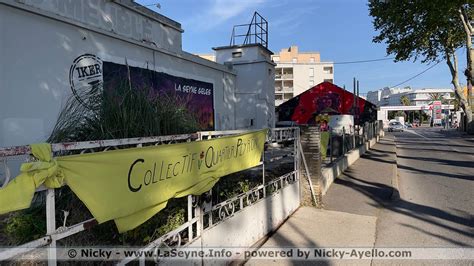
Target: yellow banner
[(130, 186)]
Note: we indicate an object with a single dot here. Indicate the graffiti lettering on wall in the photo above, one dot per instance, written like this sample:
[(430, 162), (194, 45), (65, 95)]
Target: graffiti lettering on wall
[(197, 96)]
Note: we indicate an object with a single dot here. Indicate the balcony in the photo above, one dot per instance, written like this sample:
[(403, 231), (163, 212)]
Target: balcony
[(284, 76), (284, 89)]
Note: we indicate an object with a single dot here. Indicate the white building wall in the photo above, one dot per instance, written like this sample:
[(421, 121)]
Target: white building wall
[(39, 48), (122, 17), (304, 79), (374, 97), (302, 76), (392, 96), (255, 93)]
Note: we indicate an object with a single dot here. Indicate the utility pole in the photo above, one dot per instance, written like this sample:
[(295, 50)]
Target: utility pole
[(354, 101), (470, 93), (357, 103)]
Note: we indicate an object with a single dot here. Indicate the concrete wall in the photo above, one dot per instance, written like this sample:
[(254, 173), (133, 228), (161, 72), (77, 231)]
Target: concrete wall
[(248, 226), (38, 48)]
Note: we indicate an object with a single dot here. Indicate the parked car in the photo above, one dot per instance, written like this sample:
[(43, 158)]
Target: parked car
[(395, 126)]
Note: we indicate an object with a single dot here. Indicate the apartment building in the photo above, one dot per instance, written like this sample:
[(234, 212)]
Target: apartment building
[(393, 96), (298, 71)]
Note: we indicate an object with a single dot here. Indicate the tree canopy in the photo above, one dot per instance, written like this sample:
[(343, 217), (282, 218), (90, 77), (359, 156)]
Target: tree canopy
[(424, 30), (428, 30)]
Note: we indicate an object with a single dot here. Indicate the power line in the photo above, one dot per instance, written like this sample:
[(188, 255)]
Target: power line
[(344, 62), (363, 61), (415, 76)]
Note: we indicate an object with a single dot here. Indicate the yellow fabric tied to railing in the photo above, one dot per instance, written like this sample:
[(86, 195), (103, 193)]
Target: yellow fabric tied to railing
[(19, 192), (130, 186)]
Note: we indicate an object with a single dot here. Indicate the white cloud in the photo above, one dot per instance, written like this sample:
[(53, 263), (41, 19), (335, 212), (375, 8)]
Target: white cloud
[(220, 11), (286, 23)]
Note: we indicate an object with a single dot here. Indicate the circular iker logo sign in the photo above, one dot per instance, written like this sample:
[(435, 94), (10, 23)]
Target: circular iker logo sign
[(85, 77)]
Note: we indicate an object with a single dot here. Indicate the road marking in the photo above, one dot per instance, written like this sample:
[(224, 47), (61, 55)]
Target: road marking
[(413, 132)]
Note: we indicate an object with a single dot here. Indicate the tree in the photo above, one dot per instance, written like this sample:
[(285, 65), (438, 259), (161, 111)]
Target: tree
[(428, 30), (454, 101), (466, 13), (404, 100), (436, 96)]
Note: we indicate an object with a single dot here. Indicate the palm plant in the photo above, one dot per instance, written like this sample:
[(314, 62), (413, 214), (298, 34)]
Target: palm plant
[(436, 96), (404, 100)]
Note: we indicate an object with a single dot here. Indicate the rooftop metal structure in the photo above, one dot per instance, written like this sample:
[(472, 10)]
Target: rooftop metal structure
[(254, 33)]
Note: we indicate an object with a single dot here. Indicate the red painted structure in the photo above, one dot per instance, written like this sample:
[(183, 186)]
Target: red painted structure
[(326, 98)]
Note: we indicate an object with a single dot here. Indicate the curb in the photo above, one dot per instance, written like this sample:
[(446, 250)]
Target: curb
[(395, 188)]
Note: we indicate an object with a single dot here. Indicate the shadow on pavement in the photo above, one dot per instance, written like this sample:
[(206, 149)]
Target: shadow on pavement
[(431, 150), (467, 164), (405, 167), (379, 196), (417, 211), (458, 243)]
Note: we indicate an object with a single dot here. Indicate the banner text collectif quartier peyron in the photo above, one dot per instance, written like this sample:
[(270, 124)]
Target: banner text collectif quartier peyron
[(157, 173), (163, 170)]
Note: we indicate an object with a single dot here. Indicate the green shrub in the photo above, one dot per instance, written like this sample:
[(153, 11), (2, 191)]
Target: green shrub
[(123, 112), (25, 225)]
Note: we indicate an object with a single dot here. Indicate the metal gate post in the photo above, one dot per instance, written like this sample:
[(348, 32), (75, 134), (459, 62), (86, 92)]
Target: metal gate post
[(51, 226), (296, 152), (353, 139), (263, 171), (190, 216), (343, 141), (331, 144)]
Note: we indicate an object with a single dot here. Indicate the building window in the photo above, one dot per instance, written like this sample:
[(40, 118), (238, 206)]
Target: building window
[(295, 60), (328, 80), (311, 59), (311, 72), (236, 54), (311, 83), (327, 70)]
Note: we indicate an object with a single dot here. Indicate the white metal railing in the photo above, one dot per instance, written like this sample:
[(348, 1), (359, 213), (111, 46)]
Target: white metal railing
[(201, 215)]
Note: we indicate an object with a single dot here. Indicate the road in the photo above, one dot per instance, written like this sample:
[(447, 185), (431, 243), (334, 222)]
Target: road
[(436, 184), (435, 209)]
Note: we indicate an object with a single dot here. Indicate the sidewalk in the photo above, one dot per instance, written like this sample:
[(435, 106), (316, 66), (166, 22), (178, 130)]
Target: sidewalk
[(368, 183), (348, 218)]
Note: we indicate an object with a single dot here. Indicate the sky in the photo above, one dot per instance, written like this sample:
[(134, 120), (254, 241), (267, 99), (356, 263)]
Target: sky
[(341, 30)]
